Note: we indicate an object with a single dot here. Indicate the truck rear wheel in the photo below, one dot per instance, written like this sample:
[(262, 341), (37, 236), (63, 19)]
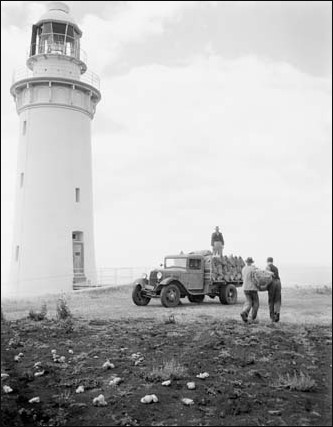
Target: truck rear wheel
[(228, 294), (137, 296), (196, 298), (170, 295)]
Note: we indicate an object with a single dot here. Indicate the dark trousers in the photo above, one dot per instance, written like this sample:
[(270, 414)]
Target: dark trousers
[(252, 301), (274, 299)]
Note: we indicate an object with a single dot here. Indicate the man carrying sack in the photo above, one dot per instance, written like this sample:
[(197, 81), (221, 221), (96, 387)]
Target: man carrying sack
[(217, 242), (274, 291), (250, 291)]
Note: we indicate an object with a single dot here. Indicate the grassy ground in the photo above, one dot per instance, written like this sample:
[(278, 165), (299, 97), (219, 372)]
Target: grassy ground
[(301, 305)]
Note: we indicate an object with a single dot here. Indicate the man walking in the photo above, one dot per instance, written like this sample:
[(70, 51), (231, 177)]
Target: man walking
[(217, 242), (274, 292), (250, 291)]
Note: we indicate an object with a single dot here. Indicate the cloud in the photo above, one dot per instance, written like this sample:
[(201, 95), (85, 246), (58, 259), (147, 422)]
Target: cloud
[(244, 143), (130, 22), (216, 141)]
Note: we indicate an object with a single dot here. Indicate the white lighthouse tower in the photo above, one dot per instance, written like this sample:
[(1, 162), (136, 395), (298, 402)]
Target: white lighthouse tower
[(56, 98)]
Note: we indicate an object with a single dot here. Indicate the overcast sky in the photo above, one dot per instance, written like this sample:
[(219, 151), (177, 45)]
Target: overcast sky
[(212, 113)]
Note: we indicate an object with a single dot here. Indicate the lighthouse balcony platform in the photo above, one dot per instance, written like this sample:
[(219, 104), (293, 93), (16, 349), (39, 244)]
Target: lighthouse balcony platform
[(54, 72)]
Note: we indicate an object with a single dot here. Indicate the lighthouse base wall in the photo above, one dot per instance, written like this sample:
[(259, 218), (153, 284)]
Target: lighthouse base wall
[(54, 202)]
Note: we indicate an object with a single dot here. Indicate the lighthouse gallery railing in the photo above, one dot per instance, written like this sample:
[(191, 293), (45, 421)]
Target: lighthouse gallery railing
[(23, 73)]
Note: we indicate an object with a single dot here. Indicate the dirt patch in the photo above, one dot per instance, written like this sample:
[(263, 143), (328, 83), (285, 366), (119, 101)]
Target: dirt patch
[(244, 362)]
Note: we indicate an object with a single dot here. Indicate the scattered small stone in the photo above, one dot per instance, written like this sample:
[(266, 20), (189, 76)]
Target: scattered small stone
[(7, 389), (20, 355), (115, 381), (277, 412), (188, 402), (80, 389), (166, 383), (95, 357), (78, 405), (62, 359), (108, 365), (4, 375), (149, 398), (70, 351), (17, 358), (37, 364), (39, 374), (191, 385), (99, 401), (34, 400), (203, 375), (54, 351)]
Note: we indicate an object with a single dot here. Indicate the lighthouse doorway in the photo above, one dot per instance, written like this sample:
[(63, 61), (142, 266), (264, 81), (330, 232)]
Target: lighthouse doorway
[(78, 257)]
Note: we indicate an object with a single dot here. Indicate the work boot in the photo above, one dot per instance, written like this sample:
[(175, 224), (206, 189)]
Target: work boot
[(244, 317), (277, 317)]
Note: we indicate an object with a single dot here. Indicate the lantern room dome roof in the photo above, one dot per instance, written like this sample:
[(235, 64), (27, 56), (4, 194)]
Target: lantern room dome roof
[(58, 12)]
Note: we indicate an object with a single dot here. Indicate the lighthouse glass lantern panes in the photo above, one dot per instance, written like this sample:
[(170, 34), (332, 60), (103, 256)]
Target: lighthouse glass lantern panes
[(46, 38), (59, 33), (70, 41)]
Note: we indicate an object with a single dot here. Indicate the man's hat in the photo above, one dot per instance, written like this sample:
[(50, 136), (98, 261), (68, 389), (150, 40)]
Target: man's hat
[(269, 259), (249, 260)]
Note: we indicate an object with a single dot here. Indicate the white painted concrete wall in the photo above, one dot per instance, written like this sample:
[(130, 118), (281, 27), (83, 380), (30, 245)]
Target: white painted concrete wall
[(55, 157)]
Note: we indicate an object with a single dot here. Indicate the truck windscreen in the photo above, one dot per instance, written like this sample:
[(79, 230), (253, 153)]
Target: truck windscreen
[(175, 262)]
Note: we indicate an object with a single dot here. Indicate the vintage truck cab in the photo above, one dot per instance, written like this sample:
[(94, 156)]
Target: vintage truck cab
[(184, 275)]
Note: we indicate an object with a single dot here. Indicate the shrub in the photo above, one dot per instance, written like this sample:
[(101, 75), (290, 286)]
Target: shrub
[(38, 316), (301, 382), (63, 311), (67, 325), (324, 290), (169, 369)]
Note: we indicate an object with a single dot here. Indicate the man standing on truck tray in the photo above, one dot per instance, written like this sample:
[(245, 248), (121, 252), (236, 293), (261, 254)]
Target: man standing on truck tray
[(250, 291), (217, 242), (274, 292)]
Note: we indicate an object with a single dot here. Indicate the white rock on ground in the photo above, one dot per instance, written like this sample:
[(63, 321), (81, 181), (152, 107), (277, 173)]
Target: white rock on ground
[(80, 389), (115, 381), (188, 402), (4, 375), (39, 374), (166, 383), (7, 389), (35, 400), (99, 401), (203, 375), (191, 385), (149, 398), (108, 365)]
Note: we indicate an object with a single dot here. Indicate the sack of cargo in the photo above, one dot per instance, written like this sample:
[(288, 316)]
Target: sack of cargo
[(262, 279)]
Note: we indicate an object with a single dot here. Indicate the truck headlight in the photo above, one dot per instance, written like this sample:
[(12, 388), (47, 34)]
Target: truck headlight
[(159, 275), (144, 276)]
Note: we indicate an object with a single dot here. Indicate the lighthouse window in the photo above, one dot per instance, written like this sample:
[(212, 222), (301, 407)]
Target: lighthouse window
[(17, 253), (77, 195), (24, 127), (21, 179)]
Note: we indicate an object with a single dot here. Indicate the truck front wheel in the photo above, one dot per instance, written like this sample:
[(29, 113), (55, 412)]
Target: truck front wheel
[(228, 294), (196, 298), (137, 296), (170, 295)]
